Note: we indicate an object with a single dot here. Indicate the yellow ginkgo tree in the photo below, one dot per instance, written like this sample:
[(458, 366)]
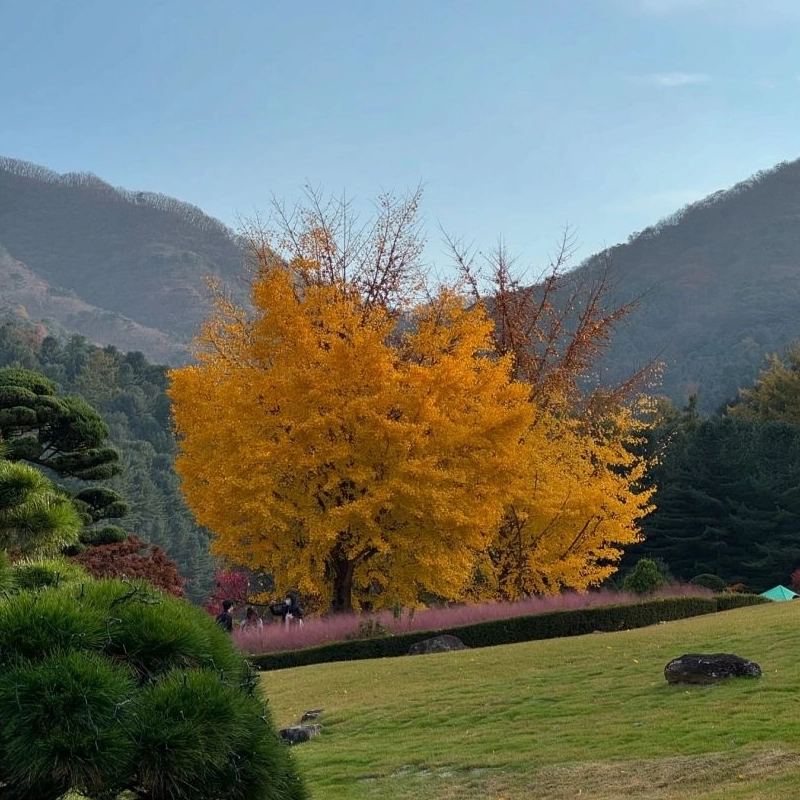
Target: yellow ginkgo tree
[(348, 458), (367, 441), (581, 487), (577, 503)]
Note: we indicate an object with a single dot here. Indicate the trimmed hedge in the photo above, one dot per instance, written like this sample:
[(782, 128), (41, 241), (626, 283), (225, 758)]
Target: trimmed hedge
[(548, 625), (729, 600)]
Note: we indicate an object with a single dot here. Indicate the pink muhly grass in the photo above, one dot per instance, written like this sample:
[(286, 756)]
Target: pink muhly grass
[(339, 627)]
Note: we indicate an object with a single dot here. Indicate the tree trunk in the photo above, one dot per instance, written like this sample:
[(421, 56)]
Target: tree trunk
[(342, 569)]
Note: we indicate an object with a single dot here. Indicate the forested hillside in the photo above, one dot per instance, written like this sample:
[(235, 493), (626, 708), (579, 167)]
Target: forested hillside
[(131, 395), (717, 287)]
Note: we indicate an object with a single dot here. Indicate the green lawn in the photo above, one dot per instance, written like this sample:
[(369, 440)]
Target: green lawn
[(588, 717)]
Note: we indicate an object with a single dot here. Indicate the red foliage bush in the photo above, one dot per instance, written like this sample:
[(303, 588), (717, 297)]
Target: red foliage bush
[(133, 558), (228, 586)]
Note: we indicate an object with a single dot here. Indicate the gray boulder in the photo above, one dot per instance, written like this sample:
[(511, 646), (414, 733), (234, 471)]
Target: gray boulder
[(712, 668), (443, 643), (295, 734)]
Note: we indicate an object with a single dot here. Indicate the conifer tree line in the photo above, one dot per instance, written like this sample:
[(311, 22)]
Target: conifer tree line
[(129, 500), (727, 499)]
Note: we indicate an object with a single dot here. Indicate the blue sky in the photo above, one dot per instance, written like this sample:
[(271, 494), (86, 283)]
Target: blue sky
[(517, 117)]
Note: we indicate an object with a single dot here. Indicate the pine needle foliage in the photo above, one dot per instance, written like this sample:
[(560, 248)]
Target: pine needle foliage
[(58, 715), (111, 689), (35, 515), (39, 572)]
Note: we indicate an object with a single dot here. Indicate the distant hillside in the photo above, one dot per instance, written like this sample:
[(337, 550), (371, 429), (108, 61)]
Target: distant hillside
[(719, 286), (139, 255), (717, 281), (24, 296)]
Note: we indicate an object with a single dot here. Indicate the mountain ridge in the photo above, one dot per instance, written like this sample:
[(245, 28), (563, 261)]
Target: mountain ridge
[(141, 255), (716, 286), (715, 283), (26, 297)]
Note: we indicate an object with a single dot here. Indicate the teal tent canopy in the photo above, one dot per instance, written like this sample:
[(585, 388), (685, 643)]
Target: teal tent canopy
[(780, 593)]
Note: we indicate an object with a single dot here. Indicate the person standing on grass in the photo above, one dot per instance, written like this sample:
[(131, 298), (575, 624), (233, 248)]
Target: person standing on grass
[(225, 617)]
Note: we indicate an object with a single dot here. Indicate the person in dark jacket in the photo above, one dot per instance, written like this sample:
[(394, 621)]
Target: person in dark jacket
[(288, 609), (225, 617)]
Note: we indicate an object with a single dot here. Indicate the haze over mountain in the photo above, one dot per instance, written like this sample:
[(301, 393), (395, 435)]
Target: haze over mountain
[(717, 281), (119, 267)]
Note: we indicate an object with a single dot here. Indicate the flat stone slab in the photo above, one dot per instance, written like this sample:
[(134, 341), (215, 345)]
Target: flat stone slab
[(443, 643), (701, 668)]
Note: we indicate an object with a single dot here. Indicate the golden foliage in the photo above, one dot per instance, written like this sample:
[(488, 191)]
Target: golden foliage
[(580, 494), (577, 506), (775, 395), (365, 440), (317, 450)]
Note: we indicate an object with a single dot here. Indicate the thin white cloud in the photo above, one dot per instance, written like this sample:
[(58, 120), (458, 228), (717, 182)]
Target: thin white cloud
[(670, 80)]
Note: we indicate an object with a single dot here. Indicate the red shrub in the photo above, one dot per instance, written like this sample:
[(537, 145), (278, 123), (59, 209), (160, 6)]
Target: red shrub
[(228, 586), (132, 558)]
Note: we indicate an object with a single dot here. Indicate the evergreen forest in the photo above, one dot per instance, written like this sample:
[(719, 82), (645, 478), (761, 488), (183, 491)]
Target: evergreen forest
[(727, 484), (130, 394), (727, 499)]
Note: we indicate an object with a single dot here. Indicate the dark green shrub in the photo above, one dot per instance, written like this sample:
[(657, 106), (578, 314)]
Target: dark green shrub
[(110, 688), (153, 640), (108, 534), (57, 714), (728, 600), (198, 738), (100, 502), (34, 625), (644, 578), (72, 550), (713, 582), (155, 632)]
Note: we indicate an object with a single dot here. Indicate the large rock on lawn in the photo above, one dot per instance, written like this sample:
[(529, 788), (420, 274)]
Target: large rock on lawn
[(712, 668)]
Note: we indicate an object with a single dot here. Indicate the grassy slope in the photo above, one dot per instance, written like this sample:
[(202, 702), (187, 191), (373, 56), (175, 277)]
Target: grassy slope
[(588, 717)]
